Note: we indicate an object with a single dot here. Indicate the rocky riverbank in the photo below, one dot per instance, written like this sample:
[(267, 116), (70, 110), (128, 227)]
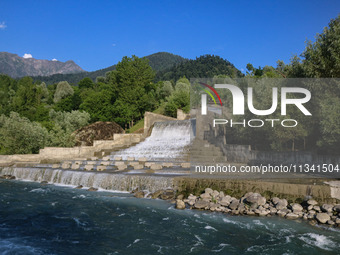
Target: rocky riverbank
[(253, 204)]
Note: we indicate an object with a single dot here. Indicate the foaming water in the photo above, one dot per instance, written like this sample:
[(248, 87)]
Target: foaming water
[(36, 219), (168, 141), (102, 181)]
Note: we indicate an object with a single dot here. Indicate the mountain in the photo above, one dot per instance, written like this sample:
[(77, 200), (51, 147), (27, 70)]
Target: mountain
[(16, 66), (158, 61), (206, 66)]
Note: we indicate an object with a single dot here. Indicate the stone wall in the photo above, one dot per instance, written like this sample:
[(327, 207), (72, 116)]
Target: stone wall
[(150, 118), (59, 153)]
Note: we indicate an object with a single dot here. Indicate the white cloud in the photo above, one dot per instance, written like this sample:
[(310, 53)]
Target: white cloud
[(26, 55), (2, 25), (54, 59)]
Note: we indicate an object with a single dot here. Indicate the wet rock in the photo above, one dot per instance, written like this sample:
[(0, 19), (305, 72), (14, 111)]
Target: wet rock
[(201, 204), (234, 204), (192, 197), (225, 201), (312, 222), (157, 194), (79, 187), (44, 182), (312, 202), (206, 196), (317, 208), (336, 208), (139, 194), (327, 208), (283, 212), (180, 197), (292, 216), (330, 222), (323, 217), (92, 189), (168, 194), (215, 194), (256, 198), (296, 207), (281, 204), (180, 204)]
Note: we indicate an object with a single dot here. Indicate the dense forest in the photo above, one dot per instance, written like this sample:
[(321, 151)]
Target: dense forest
[(45, 111)]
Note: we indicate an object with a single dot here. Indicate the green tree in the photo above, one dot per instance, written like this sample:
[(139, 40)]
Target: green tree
[(63, 90), (18, 135)]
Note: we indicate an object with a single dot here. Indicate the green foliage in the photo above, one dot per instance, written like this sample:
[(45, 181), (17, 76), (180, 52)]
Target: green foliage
[(86, 83), (63, 90), (322, 58), (65, 123), (20, 135), (206, 66)]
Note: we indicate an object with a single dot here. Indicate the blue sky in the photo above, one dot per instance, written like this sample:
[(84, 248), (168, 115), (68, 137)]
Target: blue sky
[(97, 34)]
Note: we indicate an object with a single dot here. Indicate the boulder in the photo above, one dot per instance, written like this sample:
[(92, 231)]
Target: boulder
[(168, 194), (105, 163), (201, 204), (323, 217), (215, 194), (292, 216), (55, 165), (139, 194), (180, 197), (283, 212), (157, 194), (256, 198), (92, 189), (206, 196), (79, 187), (336, 208), (106, 158), (327, 208), (312, 202), (225, 201), (180, 204), (208, 191), (118, 158), (281, 204), (234, 204), (130, 159), (296, 207)]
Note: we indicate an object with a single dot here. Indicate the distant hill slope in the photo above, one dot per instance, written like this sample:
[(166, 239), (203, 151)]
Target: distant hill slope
[(16, 66), (159, 61), (206, 66)]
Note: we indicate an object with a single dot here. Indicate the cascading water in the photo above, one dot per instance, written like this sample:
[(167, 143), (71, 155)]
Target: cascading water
[(106, 181), (169, 141)]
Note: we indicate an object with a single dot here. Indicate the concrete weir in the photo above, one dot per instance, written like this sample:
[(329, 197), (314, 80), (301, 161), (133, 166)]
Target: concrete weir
[(324, 191)]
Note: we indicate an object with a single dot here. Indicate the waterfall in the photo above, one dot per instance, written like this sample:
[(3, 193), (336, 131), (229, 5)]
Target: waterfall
[(106, 181), (169, 141)]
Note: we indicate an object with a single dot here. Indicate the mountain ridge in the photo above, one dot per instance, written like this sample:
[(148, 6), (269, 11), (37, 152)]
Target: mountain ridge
[(16, 66)]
